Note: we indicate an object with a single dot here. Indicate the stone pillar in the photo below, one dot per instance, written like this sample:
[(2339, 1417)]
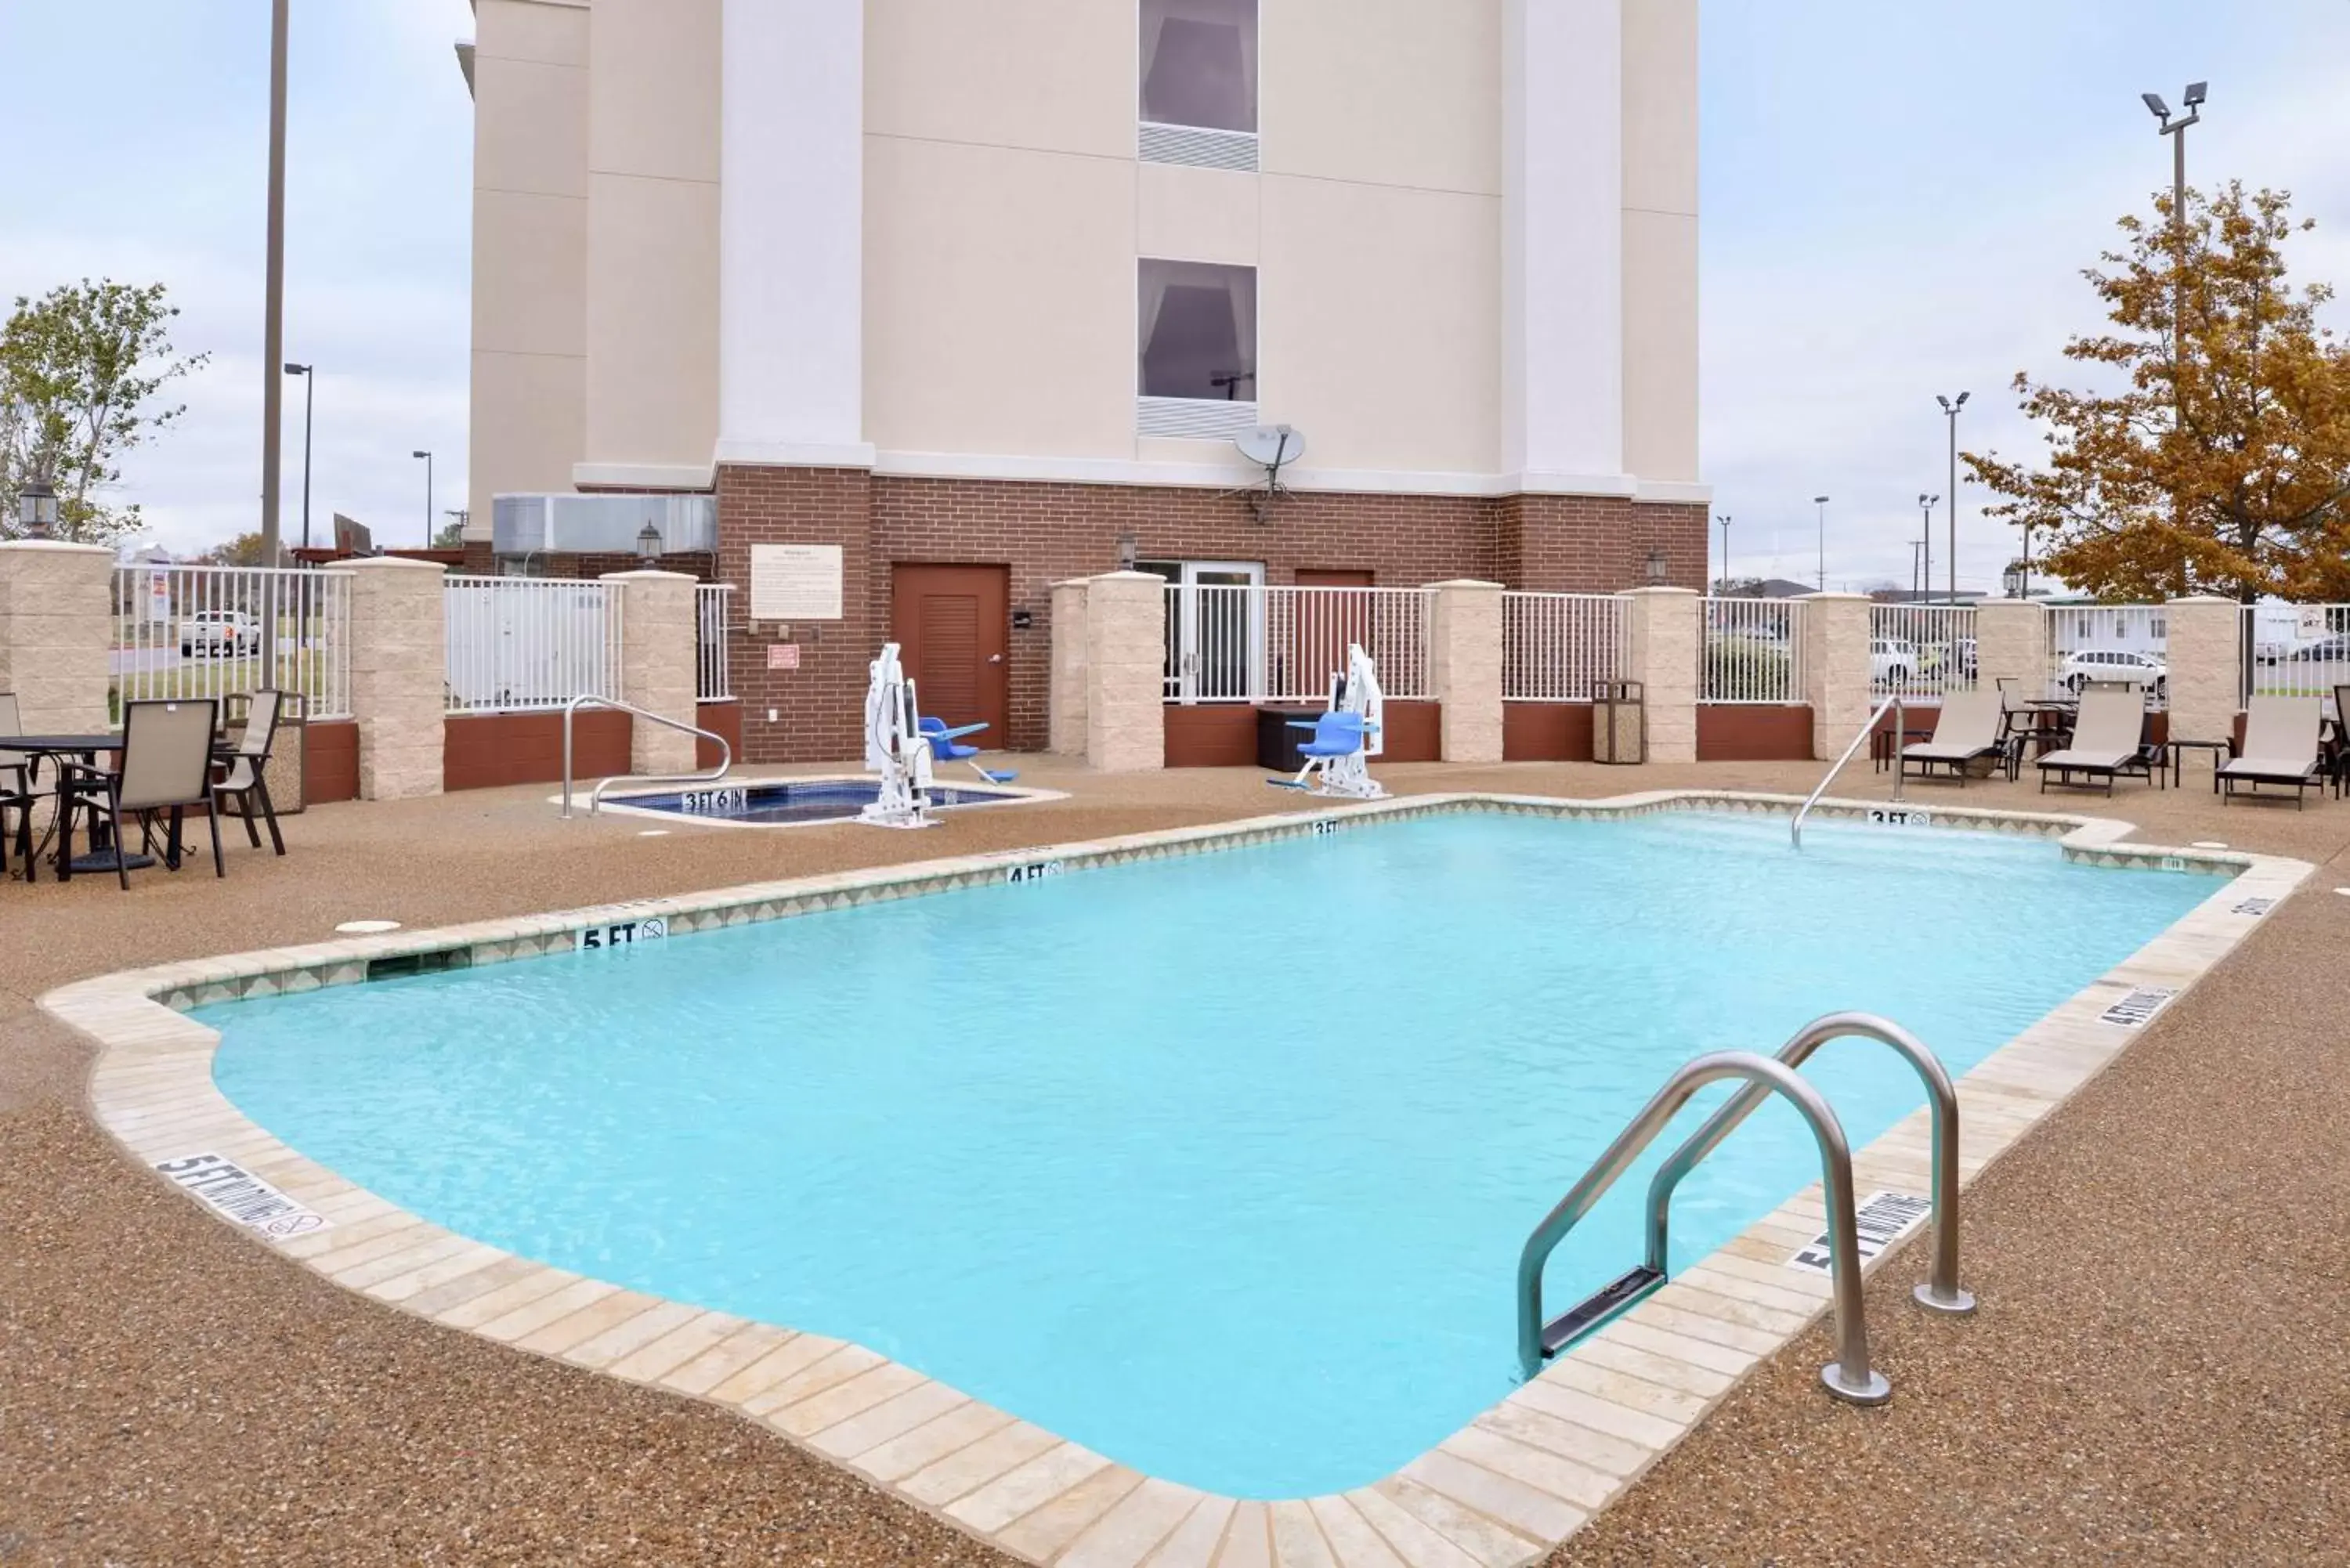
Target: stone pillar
[(56, 628), (1666, 637), (1125, 673), (660, 652), (1464, 669), (398, 674), (2012, 644), (1834, 651), (2207, 672), (1066, 701)]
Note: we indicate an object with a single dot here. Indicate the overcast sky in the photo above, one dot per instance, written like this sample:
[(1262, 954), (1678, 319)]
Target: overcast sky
[(1898, 201)]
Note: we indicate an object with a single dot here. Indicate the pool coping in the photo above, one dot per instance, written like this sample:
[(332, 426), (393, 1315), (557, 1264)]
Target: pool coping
[(1520, 1478), (617, 804)]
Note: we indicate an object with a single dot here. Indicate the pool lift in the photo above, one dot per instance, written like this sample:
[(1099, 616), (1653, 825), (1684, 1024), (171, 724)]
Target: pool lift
[(1337, 757), (896, 748)]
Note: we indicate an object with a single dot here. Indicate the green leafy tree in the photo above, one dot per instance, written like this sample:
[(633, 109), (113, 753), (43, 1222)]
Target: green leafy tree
[(2213, 454), (81, 370)]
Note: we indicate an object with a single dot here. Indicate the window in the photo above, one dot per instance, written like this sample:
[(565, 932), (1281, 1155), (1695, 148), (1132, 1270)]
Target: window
[(1199, 62), (1198, 331)]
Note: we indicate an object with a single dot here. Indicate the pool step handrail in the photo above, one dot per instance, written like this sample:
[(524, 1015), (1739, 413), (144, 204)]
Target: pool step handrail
[(1893, 704), (1941, 1292), (1849, 1376), (596, 795)]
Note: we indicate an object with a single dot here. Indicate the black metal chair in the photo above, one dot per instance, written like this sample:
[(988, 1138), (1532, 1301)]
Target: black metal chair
[(246, 778), (166, 766)]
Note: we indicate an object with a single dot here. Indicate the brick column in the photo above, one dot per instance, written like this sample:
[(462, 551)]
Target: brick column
[(398, 674), (2207, 672), (1666, 637), (56, 628), (1125, 673), (1464, 668), (1833, 641), (659, 666), (1065, 695), (2012, 644)]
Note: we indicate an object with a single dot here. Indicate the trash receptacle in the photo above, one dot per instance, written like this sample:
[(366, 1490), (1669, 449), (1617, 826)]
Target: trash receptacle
[(1620, 723), (1278, 743)]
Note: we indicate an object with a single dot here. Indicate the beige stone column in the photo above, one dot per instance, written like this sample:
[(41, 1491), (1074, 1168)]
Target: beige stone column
[(56, 630), (2012, 644), (398, 674), (1464, 669), (1065, 699), (1125, 672), (1666, 636), (2207, 674), (1833, 643), (659, 666)]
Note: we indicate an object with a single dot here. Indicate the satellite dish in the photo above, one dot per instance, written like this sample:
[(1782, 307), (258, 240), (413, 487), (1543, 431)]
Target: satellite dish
[(1272, 446)]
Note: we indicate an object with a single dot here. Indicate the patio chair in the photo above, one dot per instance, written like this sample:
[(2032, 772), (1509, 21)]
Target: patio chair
[(166, 765), (2281, 742), (15, 767), (2108, 740), (1967, 730), (246, 777), (2341, 740)]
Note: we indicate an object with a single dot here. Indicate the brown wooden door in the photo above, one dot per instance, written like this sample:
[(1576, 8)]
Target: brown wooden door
[(952, 626)]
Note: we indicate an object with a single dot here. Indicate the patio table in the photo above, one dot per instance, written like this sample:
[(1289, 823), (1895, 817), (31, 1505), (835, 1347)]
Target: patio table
[(100, 855)]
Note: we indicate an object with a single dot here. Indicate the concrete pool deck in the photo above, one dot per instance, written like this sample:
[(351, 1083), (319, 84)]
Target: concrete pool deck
[(538, 1468)]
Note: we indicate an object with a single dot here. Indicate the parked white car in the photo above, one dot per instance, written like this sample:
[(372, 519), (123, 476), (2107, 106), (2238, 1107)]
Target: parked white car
[(218, 634), (2114, 664), (1891, 660)]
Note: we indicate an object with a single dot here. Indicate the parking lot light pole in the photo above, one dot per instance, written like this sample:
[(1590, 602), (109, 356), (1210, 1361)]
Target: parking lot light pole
[(1821, 502), (1951, 409), (1926, 543), (427, 495), (1723, 518)]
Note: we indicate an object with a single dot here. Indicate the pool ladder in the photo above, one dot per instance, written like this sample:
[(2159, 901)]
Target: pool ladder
[(1849, 1376), (596, 795)]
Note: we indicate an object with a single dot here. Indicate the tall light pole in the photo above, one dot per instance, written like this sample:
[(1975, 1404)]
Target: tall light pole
[(1821, 502), (1913, 571), (1951, 410), (1723, 518), (2177, 130), (273, 311), (310, 387), (427, 495), (1926, 541)]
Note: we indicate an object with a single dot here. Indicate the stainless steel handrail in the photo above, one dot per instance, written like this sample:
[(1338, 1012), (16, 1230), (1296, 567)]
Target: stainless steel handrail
[(1941, 1293), (1849, 1376), (1893, 702), (596, 795)]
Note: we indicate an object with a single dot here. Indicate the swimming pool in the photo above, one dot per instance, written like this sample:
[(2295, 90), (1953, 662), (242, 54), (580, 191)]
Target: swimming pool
[(790, 801), (1218, 1165)]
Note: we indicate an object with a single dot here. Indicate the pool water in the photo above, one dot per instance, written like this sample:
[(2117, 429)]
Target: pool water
[(1218, 1165), (803, 800)]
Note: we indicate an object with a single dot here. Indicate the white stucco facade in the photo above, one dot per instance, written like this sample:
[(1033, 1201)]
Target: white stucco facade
[(905, 235)]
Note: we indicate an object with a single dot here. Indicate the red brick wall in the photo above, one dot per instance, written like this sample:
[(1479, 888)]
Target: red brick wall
[(1045, 532)]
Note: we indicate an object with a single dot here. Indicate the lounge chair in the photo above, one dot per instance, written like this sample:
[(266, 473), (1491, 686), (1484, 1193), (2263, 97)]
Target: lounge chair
[(943, 747), (16, 789), (2108, 740), (2341, 740), (1967, 730), (167, 766), (2279, 747), (246, 779)]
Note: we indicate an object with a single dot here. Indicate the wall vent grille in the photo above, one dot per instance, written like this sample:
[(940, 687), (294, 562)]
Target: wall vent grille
[(1200, 148), (1192, 419)]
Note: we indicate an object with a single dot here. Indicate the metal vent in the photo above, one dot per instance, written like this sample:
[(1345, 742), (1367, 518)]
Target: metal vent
[(1192, 419), (1202, 149)]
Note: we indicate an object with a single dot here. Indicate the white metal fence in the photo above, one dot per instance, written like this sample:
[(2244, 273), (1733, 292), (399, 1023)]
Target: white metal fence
[(1921, 651), (214, 631), (1752, 651), (2109, 642), (1556, 647), (530, 642), (712, 603), (1254, 643), (2297, 650)]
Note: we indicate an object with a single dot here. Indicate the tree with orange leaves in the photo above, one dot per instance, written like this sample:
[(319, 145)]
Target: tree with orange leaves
[(2217, 458)]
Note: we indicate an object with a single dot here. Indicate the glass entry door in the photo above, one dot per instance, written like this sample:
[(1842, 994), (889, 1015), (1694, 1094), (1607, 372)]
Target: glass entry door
[(1215, 629)]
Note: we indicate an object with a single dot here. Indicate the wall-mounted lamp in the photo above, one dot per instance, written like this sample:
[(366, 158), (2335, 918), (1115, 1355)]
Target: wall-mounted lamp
[(1127, 552), (649, 543), (1658, 569)]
